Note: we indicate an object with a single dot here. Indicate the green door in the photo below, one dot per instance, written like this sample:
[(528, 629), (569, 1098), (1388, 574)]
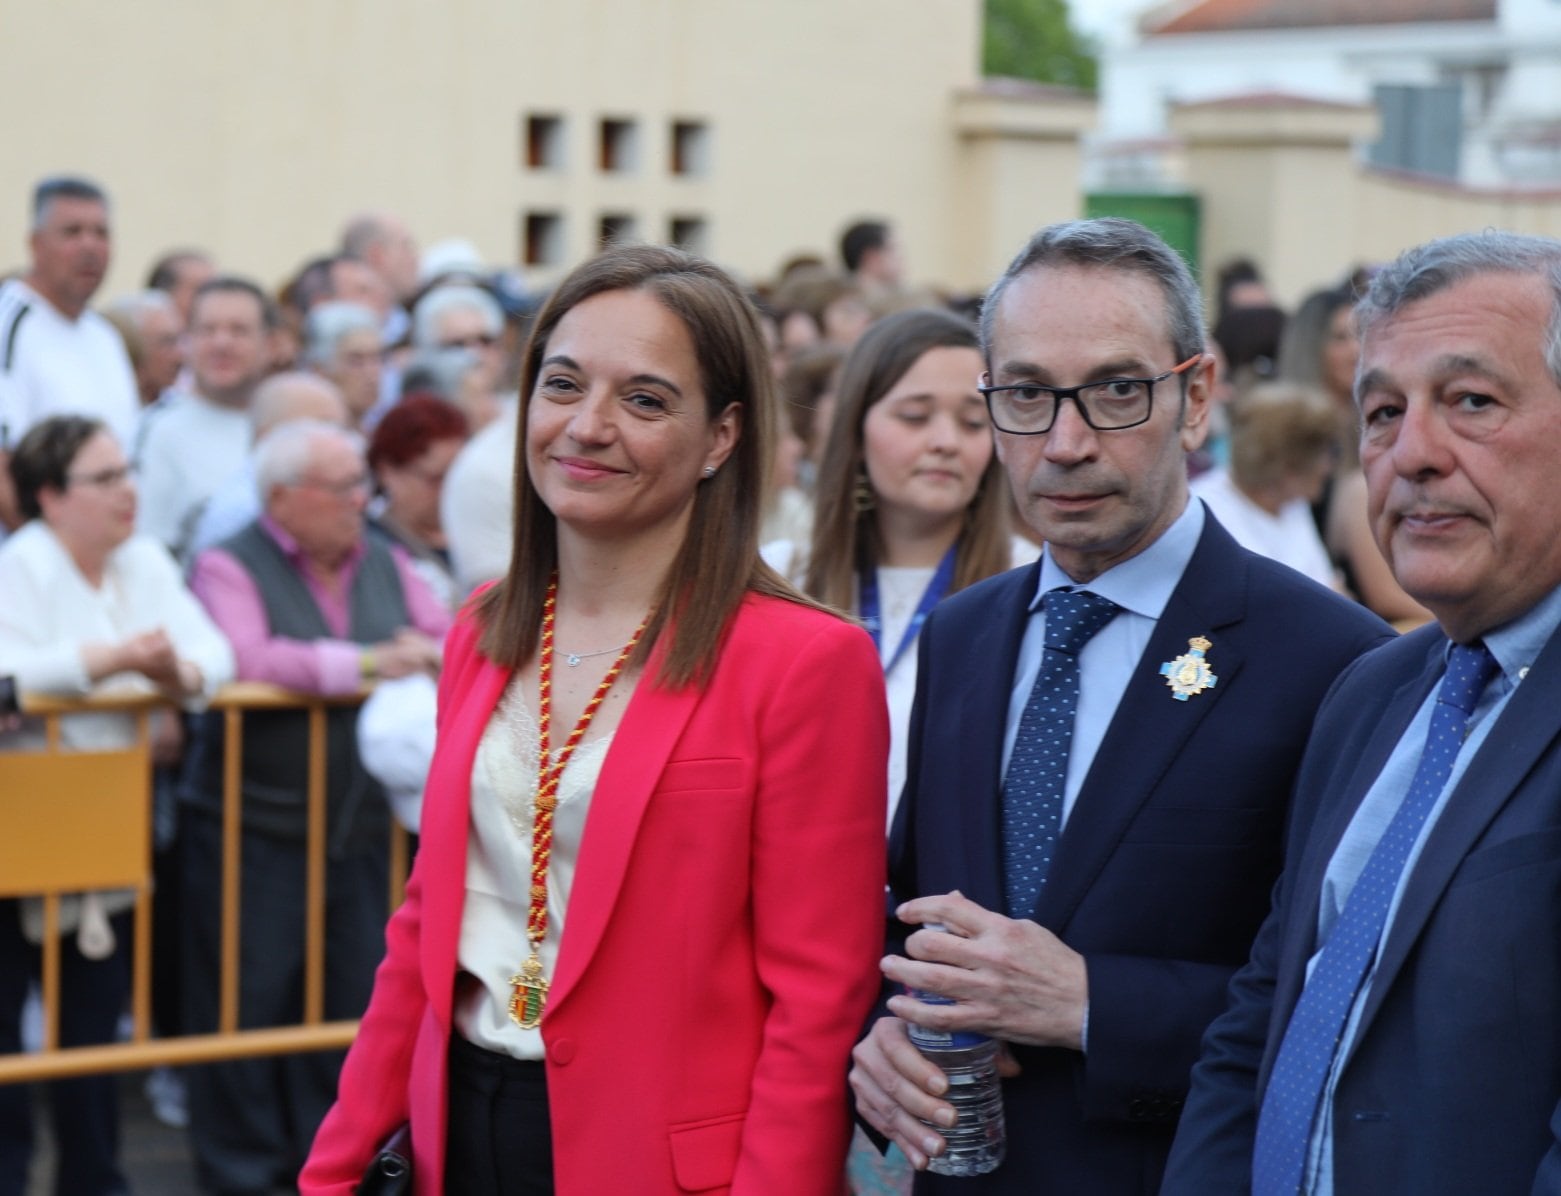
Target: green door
[(1173, 216)]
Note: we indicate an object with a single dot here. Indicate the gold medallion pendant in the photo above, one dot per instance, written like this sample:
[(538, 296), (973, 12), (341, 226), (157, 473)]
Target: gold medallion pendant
[(1190, 673), (528, 995)]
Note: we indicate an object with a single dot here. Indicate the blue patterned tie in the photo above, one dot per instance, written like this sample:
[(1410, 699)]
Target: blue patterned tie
[(1300, 1072), (1038, 768)]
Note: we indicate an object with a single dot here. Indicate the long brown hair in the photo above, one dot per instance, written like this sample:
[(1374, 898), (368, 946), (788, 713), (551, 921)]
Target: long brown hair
[(719, 560), (846, 541)]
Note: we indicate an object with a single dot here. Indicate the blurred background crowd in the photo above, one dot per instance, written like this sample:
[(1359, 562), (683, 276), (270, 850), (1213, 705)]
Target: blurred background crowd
[(359, 401)]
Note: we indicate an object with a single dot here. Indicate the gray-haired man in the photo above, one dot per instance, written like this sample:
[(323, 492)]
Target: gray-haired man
[(1095, 818), (1396, 1029)]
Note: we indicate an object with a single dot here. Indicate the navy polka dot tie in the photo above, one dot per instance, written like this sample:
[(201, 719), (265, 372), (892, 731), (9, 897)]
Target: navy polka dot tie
[(1038, 768), (1300, 1072)]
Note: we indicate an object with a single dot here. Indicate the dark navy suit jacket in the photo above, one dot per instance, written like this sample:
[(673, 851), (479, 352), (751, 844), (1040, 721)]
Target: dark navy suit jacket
[(1164, 870), (1454, 1075)]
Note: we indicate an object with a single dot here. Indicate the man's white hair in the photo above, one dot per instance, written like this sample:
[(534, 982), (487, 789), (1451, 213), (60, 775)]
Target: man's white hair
[(432, 306), (284, 457), (331, 321)]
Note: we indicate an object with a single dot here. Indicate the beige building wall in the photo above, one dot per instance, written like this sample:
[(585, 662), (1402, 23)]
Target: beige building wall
[(254, 129), (1397, 212), (1275, 175), (1281, 183), (1019, 163)]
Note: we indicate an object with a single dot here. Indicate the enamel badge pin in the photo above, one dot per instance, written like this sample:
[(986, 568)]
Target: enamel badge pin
[(1189, 673)]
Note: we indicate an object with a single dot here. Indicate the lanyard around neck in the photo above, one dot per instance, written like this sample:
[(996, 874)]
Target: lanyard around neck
[(872, 619)]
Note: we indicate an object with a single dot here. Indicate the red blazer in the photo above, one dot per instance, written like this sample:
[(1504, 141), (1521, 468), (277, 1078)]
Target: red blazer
[(722, 942)]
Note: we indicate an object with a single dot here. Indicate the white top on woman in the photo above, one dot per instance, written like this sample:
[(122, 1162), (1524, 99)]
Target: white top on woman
[(49, 610), (899, 593), (1289, 537)]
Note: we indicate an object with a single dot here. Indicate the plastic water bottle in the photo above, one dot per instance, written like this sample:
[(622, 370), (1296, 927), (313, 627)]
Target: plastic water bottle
[(977, 1141)]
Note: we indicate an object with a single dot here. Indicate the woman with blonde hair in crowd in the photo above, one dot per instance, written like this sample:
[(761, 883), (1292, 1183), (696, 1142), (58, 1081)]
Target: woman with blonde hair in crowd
[(1284, 440), (642, 931)]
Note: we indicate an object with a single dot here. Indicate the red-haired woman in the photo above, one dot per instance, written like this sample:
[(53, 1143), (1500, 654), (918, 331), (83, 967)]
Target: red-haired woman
[(409, 454)]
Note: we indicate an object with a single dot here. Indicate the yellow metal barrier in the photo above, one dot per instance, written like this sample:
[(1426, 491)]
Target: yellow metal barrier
[(79, 821)]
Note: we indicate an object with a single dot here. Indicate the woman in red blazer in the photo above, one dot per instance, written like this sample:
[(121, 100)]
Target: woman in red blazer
[(641, 967)]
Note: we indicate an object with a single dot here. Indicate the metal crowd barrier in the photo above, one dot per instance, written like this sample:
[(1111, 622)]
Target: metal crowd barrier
[(78, 821)]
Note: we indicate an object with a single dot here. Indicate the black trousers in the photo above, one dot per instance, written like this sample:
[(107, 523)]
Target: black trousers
[(252, 1120), (499, 1140), (86, 1109)]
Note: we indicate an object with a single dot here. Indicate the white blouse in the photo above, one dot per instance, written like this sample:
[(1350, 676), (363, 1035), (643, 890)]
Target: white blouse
[(498, 870), (48, 610)]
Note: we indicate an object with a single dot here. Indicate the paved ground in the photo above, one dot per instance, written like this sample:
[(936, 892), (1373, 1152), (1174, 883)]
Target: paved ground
[(156, 1159)]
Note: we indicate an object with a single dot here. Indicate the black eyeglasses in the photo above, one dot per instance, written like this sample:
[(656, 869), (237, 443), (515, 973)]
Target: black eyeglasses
[(1030, 408), (346, 488)]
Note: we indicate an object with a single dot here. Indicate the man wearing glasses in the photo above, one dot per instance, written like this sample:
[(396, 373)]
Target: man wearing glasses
[(1102, 745), (460, 316)]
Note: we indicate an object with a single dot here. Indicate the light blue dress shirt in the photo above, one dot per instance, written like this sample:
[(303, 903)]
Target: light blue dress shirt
[(1515, 647), (1141, 586)]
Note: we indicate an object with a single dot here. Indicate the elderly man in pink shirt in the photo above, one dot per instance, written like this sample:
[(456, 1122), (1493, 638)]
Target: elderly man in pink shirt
[(312, 603)]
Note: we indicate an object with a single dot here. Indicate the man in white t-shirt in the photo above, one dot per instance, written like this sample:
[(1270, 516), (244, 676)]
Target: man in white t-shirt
[(194, 441), (56, 357)]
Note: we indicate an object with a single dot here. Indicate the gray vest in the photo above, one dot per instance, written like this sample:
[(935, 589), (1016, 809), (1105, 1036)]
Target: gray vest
[(276, 743)]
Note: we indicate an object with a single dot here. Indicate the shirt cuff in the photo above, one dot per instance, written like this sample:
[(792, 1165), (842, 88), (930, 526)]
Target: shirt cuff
[(339, 667)]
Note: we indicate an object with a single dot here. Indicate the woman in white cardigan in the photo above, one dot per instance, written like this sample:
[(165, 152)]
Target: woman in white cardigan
[(85, 605)]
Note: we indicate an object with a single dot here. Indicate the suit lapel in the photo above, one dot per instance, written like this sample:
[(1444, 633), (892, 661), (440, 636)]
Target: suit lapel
[(973, 748), (1300, 930), (1150, 726), (1524, 730), (652, 725)]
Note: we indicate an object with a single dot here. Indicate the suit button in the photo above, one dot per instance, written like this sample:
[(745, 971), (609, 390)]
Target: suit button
[(1137, 1109), (562, 1051)]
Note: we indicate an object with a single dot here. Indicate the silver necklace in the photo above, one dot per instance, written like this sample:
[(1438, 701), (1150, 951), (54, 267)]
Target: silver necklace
[(572, 659)]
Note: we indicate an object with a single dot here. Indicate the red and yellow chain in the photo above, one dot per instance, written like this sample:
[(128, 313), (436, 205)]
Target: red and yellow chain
[(529, 986)]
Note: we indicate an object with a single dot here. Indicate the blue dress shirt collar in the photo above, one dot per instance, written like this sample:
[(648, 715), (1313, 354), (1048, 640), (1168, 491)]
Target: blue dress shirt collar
[(1144, 582)]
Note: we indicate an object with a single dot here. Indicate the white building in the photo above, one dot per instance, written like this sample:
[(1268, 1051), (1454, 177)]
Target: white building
[(1468, 90)]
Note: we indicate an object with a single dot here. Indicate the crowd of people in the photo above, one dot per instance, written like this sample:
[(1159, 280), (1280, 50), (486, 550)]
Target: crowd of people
[(683, 606)]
